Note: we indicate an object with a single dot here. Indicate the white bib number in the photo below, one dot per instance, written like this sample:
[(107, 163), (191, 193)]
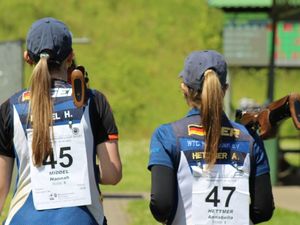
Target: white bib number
[(220, 200), (63, 179)]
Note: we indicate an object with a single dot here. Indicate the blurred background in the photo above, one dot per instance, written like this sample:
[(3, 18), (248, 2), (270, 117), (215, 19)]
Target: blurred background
[(134, 50)]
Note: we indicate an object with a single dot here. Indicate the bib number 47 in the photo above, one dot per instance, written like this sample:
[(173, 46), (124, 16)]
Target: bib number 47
[(213, 196)]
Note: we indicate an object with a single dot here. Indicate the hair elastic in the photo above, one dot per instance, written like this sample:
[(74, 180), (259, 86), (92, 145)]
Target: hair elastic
[(44, 55)]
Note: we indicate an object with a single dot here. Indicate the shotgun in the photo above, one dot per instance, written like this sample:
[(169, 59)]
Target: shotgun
[(267, 119)]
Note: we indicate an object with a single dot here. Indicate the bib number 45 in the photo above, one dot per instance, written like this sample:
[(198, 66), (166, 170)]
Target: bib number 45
[(64, 156), (213, 196)]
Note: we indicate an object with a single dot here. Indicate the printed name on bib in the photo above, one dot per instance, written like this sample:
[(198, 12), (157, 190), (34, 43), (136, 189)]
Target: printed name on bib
[(62, 180)]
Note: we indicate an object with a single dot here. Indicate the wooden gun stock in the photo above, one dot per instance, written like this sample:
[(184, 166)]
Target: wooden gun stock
[(79, 88), (267, 119), (294, 102)]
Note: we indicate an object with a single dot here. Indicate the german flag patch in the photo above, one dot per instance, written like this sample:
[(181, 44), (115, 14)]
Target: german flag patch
[(194, 129), (25, 96)]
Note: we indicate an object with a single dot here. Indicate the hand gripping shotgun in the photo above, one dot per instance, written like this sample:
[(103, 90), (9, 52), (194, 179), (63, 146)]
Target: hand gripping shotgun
[(79, 81), (267, 119)]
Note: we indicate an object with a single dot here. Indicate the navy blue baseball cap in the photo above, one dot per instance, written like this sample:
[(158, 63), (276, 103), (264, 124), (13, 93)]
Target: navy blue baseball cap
[(49, 35), (198, 62)]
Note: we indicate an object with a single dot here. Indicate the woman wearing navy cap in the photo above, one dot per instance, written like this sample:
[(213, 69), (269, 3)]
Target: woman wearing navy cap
[(54, 143), (205, 168)]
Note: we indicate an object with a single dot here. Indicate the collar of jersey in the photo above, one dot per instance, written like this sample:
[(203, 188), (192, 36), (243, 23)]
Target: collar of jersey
[(193, 111), (59, 83)]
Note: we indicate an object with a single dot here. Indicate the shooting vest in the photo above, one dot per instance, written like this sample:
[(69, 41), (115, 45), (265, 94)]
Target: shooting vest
[(219, 195), (66, 181)]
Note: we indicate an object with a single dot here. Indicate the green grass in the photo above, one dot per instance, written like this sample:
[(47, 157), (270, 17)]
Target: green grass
[(144, 216), (291, 144), (136, 51), (293, 159), (283, 217), (136, 177)]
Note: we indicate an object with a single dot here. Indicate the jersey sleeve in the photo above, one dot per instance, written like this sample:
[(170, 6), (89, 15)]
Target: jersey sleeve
[(6, 130), (260, 157), (102, 119), (162, 147)]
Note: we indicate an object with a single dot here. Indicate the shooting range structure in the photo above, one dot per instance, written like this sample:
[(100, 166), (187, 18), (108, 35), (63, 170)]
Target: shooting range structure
[(12, 65), (11, 68), (262, 33)]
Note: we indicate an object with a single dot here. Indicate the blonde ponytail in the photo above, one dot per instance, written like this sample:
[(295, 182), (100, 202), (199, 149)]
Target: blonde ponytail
[(211, 105), (41, 111)]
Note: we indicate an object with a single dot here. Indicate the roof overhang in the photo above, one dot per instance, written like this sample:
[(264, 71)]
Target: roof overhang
[(281, 9)]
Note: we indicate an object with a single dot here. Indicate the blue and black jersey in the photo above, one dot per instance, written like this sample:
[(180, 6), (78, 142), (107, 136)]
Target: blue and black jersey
[(186, 135), (179, 146), (99, 126)]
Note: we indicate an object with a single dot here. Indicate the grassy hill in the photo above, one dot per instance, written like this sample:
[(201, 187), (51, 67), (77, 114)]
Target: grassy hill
[(136, 50)]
